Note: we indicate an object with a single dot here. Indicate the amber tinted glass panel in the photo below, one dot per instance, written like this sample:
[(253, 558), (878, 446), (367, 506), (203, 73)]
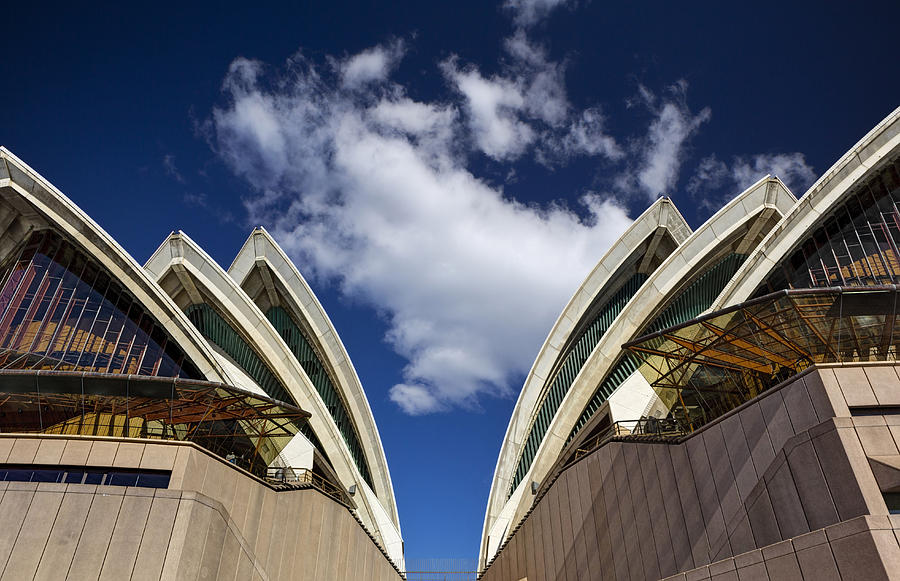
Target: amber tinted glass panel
[(60, 310), (248, 429), (856, 245), (707, 367)]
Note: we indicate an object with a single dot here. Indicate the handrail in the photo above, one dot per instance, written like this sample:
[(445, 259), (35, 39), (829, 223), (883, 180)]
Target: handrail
[(304, 476), (644, 428)]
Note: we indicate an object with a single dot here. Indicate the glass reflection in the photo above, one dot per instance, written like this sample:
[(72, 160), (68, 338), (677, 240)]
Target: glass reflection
[(708, 367), (856, 245), (59, 310)]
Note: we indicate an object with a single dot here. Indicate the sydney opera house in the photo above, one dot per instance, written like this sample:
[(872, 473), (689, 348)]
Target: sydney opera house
[(720, 403), (175, 420)]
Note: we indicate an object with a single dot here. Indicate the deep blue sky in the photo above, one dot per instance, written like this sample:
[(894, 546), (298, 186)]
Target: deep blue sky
[(95, 98)]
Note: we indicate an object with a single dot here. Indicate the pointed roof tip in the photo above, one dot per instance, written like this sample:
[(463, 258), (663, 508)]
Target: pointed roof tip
[(261, 231)]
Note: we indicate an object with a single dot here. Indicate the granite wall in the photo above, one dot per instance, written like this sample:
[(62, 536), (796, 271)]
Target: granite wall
[(213, 522), (786, 478)]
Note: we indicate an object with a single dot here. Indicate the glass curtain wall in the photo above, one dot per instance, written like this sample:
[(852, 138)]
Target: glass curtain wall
[(689, 303), (247, 429), (61, 310), (856, 245)]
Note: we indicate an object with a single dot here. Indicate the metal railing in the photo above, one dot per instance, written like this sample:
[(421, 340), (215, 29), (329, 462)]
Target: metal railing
[(441, 569), (305, 477), (644, 428)]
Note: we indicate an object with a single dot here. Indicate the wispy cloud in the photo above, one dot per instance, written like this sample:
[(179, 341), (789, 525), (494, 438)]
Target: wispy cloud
[(525, 108), (790, 167), (168, 163), (375, 195), (198, 200), (371, 65), (529, 12), (715, 182), (493, 109), (376, 192), (660, 154)]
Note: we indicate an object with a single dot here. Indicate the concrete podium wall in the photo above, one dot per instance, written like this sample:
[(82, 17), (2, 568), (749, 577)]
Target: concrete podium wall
[(783, 477), (213, 522)]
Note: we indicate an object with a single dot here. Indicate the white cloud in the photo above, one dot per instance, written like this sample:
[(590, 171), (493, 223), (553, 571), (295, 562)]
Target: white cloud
[(662, 151), (530, 12), (540, 80), (168, 162), (376, 196), (790, 167), (373, 191), (415, 400), (715, 182), (525, 108), (371, 65), (492, 107), (710, 174), (667, 137), (587, 136)]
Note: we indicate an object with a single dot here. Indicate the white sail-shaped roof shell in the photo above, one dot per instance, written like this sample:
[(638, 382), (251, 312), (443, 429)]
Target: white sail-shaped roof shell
[(736, 226), (30, 199), (284, 284), (185, 271), (662, 218), (880, 145)]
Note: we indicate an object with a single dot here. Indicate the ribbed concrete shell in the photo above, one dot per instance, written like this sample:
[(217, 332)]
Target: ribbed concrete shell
[(737, 227), (879, 146), (662, 218), (285, 286), (184, 270), (29, 198)]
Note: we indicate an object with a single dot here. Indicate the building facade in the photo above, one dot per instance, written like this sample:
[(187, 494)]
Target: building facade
[(175, 420), (726, 412)]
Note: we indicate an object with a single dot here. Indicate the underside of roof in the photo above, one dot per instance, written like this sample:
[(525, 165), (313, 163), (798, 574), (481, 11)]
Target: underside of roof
[(234, 324), (278, 289), (682, 287), (85, 281)]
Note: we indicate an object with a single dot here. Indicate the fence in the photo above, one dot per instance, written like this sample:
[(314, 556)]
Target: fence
[(441, 569), (289, 475), (643, 428)]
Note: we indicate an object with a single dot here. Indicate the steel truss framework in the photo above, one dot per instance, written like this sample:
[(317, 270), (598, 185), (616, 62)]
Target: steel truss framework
[(710, 365), (247, 429)]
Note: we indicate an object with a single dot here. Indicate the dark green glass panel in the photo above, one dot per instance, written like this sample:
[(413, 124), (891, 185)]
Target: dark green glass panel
[(572, 361), (220, 332), (690, 303), (302, 349)]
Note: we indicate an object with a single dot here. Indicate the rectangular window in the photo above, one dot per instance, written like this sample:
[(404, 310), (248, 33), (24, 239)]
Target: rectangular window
[(80, 475)]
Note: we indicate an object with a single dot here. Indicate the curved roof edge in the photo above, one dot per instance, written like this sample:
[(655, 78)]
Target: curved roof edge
[(179, 252), (759, 202), (661, 214), (72, 221), (262, 247), (862, 159)]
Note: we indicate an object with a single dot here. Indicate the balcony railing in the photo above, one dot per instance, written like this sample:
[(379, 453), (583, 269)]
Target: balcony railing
[(304, 477), (642, 429)]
